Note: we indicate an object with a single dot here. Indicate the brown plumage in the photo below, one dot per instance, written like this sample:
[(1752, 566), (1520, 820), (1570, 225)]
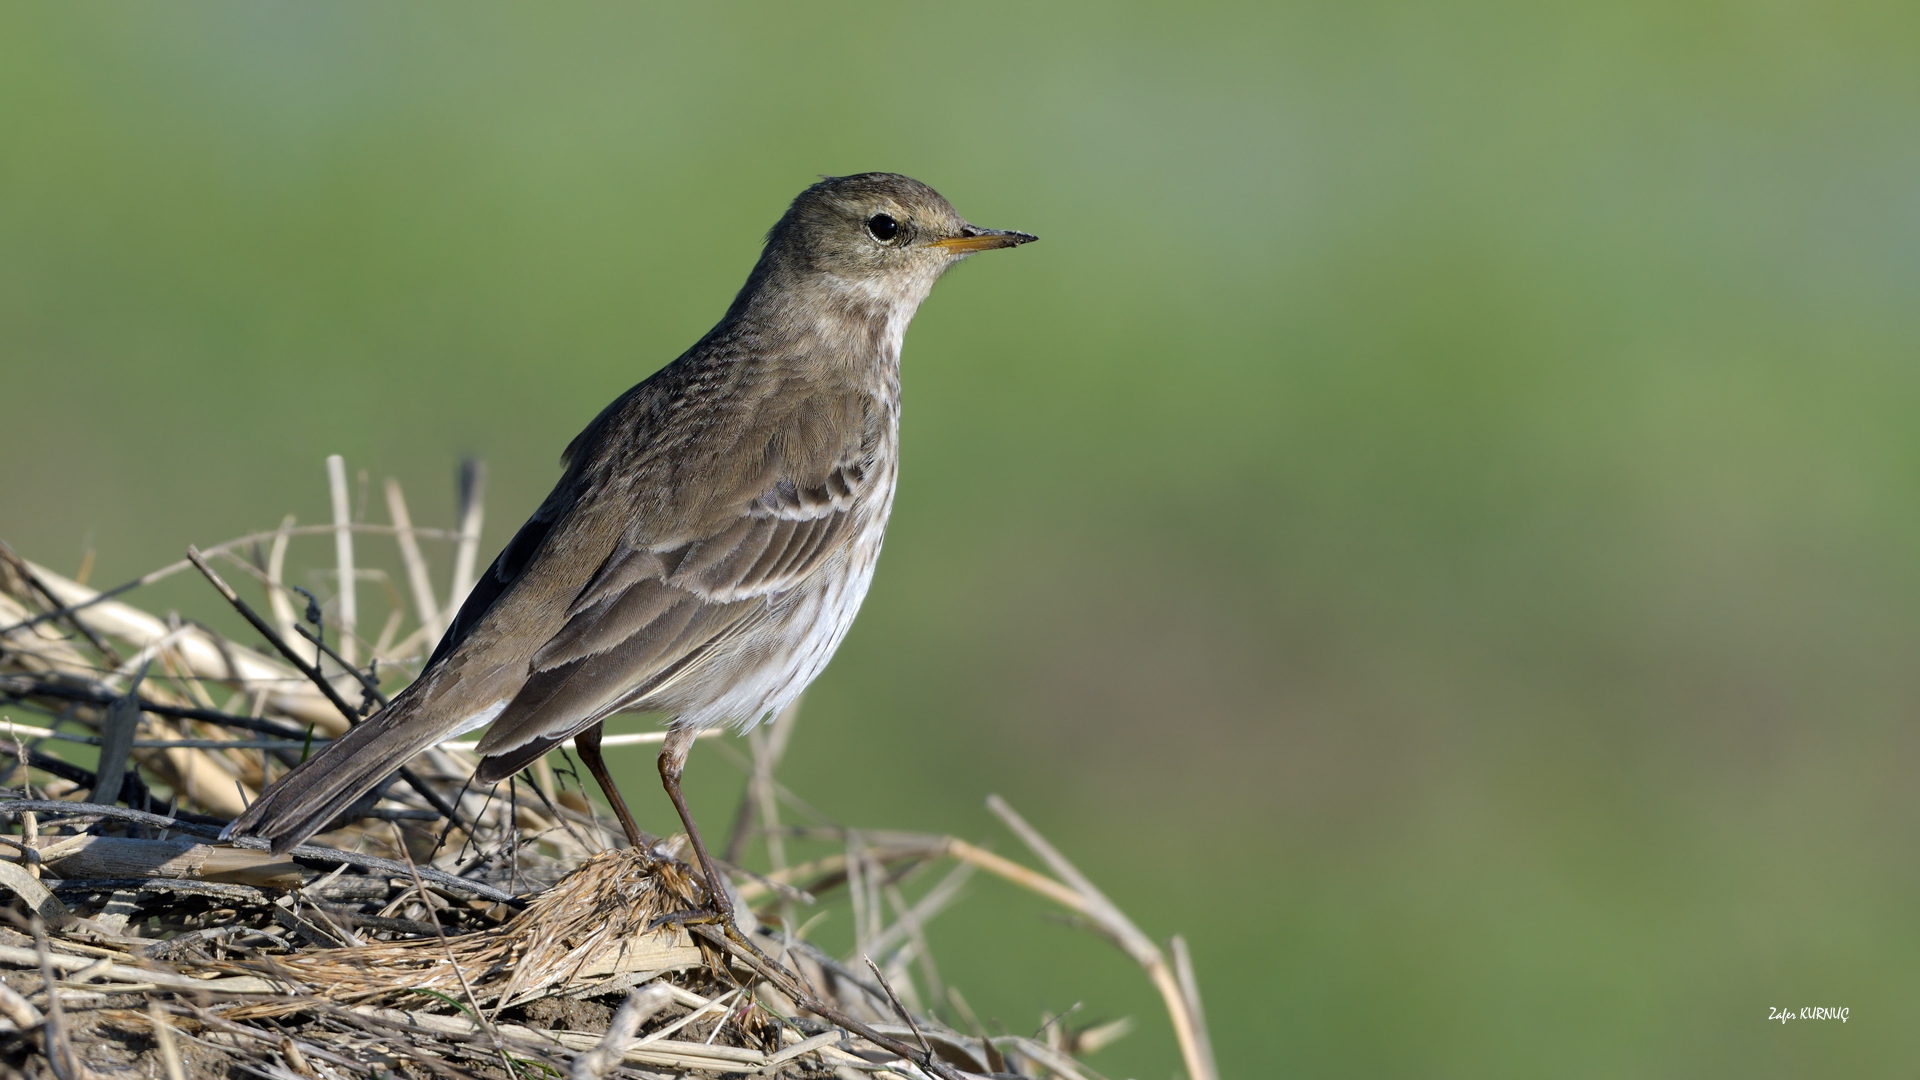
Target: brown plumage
[(713, 534)]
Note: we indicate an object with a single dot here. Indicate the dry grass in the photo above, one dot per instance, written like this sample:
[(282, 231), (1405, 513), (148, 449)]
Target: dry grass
[(443, 931)]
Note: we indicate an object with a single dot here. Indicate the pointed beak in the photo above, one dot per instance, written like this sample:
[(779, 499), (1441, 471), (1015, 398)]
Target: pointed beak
[(973, 239)]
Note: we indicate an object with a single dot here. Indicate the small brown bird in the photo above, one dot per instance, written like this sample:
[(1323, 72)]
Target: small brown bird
[(712, 537)]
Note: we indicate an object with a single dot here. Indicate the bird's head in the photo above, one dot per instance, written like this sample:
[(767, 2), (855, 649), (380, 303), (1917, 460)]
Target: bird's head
[(881, 234)]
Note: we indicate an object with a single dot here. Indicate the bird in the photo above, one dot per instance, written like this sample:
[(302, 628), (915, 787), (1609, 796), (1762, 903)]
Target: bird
[(712, 535)]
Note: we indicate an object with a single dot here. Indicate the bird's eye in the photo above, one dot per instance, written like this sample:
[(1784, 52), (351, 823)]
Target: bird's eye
[(883, 227)]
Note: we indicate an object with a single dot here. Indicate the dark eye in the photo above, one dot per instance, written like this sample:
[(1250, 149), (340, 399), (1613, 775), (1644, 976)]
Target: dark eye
[(883, 227)]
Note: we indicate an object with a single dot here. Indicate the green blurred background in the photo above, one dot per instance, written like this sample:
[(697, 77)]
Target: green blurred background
[(1433, 521)]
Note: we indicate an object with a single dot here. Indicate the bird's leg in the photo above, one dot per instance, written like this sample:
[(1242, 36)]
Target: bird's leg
[(673, 758), (588, 743)]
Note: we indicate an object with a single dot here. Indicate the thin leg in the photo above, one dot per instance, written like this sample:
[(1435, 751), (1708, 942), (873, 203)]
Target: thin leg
[(588, 742), (673, 758)]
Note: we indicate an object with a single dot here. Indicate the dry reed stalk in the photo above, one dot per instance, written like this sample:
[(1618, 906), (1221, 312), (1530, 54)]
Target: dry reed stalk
[(277, 597), (1179, 992), (185, 770), (204, 655), (349, 604), (472, 512), (427, 609), (1183, 1010), (640, 1006), (163, 1036)]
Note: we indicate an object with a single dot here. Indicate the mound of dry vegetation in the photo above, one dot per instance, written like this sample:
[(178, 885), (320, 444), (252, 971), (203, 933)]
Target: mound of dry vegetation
[(441, 930)]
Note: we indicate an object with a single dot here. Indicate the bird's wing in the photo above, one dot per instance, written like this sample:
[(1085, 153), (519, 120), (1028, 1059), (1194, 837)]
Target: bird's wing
[(506, 569), (656, 607)]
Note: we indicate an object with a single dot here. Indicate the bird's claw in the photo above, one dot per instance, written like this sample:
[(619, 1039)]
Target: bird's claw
[(694, 917), (722, 920)]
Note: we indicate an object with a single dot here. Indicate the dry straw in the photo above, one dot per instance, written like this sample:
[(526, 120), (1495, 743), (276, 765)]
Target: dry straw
[(443, 931)]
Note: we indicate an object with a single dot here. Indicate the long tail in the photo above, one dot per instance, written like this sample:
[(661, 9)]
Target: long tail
[(320, 788)]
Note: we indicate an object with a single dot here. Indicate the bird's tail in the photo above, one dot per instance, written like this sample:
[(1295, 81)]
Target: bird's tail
[(320, 788)]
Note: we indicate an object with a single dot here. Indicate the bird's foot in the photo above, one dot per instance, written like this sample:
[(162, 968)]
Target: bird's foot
[(693, 917), (721, 919)]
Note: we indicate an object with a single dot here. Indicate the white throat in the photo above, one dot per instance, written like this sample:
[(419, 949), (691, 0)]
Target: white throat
[(899, 296)]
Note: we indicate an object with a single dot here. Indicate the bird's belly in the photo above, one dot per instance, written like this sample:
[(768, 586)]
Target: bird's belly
[(771, 665)]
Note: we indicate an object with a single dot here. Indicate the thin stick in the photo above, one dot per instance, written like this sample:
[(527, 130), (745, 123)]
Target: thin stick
[(383, 645), (857, 871), (139, 661), (417, 578), (1003, 867), (642, 738), (67, 611), (53, 1039), (413, 779), (788, 985), (29, 822), (19, 691), (473, 488), (136, 789), (434, 799), (208, 656), (276, 589), (556, 814), (1190, 987), (333, 856), (18, 1009), (273, 638), (317, 641), (925, 1046), (1053, 1060), (767, 754), (163, 1035), (26, 573), (366, 681), (116, 744), (473, 1003), (724, 1001), (215, 1020), (1116, 927), (220, 548), (349, 615), (910, 923), (641, 1005)]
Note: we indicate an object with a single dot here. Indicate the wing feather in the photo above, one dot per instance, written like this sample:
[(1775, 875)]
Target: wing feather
[(558, 700), (624, 568), (780, 540), (610, 621), (732, 573)]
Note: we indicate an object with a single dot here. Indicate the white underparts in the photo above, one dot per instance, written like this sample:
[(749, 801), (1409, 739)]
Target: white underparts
[(478, 720)]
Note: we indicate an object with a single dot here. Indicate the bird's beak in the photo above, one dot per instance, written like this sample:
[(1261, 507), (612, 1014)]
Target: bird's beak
[(972, 239)]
